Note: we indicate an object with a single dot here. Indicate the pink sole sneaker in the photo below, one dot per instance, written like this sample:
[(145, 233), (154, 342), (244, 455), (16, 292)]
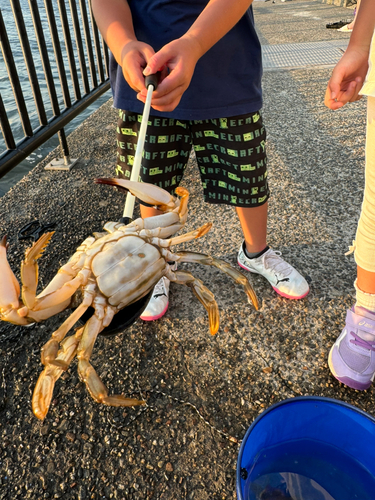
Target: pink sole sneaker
[(284, 279), (157, 316)]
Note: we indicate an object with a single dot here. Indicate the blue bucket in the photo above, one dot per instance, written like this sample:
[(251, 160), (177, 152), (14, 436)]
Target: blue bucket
[(308, 448)]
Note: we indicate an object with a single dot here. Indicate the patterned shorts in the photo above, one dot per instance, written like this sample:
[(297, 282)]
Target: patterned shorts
[(230, 153)]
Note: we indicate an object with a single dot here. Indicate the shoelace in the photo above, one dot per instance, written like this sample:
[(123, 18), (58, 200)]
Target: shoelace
[(272, 261), (370, 345)]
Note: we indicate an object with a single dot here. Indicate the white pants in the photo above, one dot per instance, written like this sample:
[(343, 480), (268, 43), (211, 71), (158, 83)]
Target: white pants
[(365, 238)]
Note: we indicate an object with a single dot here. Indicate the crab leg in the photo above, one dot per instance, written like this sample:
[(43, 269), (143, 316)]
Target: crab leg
[(237, 276), (153, 195), (197, 233), (44, 387), (202, 293), (50, 349), (95, 386), (69, 270), (29, 269), (60, 295)]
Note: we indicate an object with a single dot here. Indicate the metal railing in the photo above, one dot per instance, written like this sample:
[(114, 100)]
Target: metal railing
[(70, 65)]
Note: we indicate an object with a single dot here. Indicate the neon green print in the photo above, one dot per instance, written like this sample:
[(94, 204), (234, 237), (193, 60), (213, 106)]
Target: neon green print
[(180, 124), (245, 168), (198, 148), (222, 184), (254, 190), (119, 170), (233, 177), (215, 159), (263, 144), (128, 131), (256, 117), (248, 137), (232, 152), (140, 119), (130, 160), (210, 133), (223, 122), (172, 154), (162, 139), (233, 199), (155, 171), (260, 200)]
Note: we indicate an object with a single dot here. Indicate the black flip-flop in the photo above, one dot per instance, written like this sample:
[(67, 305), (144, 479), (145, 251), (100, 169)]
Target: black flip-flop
[(337, 25)]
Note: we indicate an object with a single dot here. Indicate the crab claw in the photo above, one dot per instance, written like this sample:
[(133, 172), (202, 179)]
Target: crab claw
[(9, 286), (153, 195)]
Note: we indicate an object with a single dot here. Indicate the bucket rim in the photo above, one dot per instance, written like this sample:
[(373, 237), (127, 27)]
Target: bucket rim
[(284, 402)]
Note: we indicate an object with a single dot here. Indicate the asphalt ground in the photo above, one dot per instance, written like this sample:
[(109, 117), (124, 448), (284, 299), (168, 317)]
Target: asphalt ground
[(202, 392)]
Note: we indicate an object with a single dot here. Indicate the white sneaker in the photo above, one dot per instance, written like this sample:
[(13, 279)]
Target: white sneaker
[(159, 302), (285, 280)]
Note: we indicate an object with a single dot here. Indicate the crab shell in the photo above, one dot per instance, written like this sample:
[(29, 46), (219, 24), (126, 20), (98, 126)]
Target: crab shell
[(127, 269)]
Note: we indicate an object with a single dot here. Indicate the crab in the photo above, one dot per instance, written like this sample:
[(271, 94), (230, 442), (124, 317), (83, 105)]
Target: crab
[(108, 271)]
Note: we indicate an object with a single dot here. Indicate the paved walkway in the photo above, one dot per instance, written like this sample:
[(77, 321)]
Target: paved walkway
[(202, 392)]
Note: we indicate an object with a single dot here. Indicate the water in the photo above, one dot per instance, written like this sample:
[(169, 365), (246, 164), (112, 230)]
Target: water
[(306, 469), (6, 92)]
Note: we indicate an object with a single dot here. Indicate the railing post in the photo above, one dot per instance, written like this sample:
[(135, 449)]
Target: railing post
[(64, 163)]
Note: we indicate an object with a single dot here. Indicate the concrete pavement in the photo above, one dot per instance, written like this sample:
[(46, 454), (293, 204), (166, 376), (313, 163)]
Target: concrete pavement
[(202, 392)]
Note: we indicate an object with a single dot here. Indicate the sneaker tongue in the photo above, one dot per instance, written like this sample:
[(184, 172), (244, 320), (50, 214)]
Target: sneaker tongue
[(366, 336)]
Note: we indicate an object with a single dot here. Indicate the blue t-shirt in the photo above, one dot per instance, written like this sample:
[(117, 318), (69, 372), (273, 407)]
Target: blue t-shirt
[(227, 78)]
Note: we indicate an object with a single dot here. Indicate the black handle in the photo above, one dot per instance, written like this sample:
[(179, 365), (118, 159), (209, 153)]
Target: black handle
[(153, 80), (125, 220)]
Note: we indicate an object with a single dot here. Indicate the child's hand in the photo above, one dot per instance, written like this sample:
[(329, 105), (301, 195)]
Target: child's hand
[(177, 62), (347, 79), (134, 58)]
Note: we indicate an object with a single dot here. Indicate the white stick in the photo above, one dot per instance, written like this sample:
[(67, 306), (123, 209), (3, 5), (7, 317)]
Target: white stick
[(130, 199)]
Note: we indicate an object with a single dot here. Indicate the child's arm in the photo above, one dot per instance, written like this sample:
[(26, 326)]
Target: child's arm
[(181, 55), (114, 20), (349, 73)]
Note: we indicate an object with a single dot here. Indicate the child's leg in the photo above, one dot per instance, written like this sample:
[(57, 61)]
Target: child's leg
[(254, 227), (233, 164), (166, 153), (365, 238), (158, 167), (149, 212), (352, 357)]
